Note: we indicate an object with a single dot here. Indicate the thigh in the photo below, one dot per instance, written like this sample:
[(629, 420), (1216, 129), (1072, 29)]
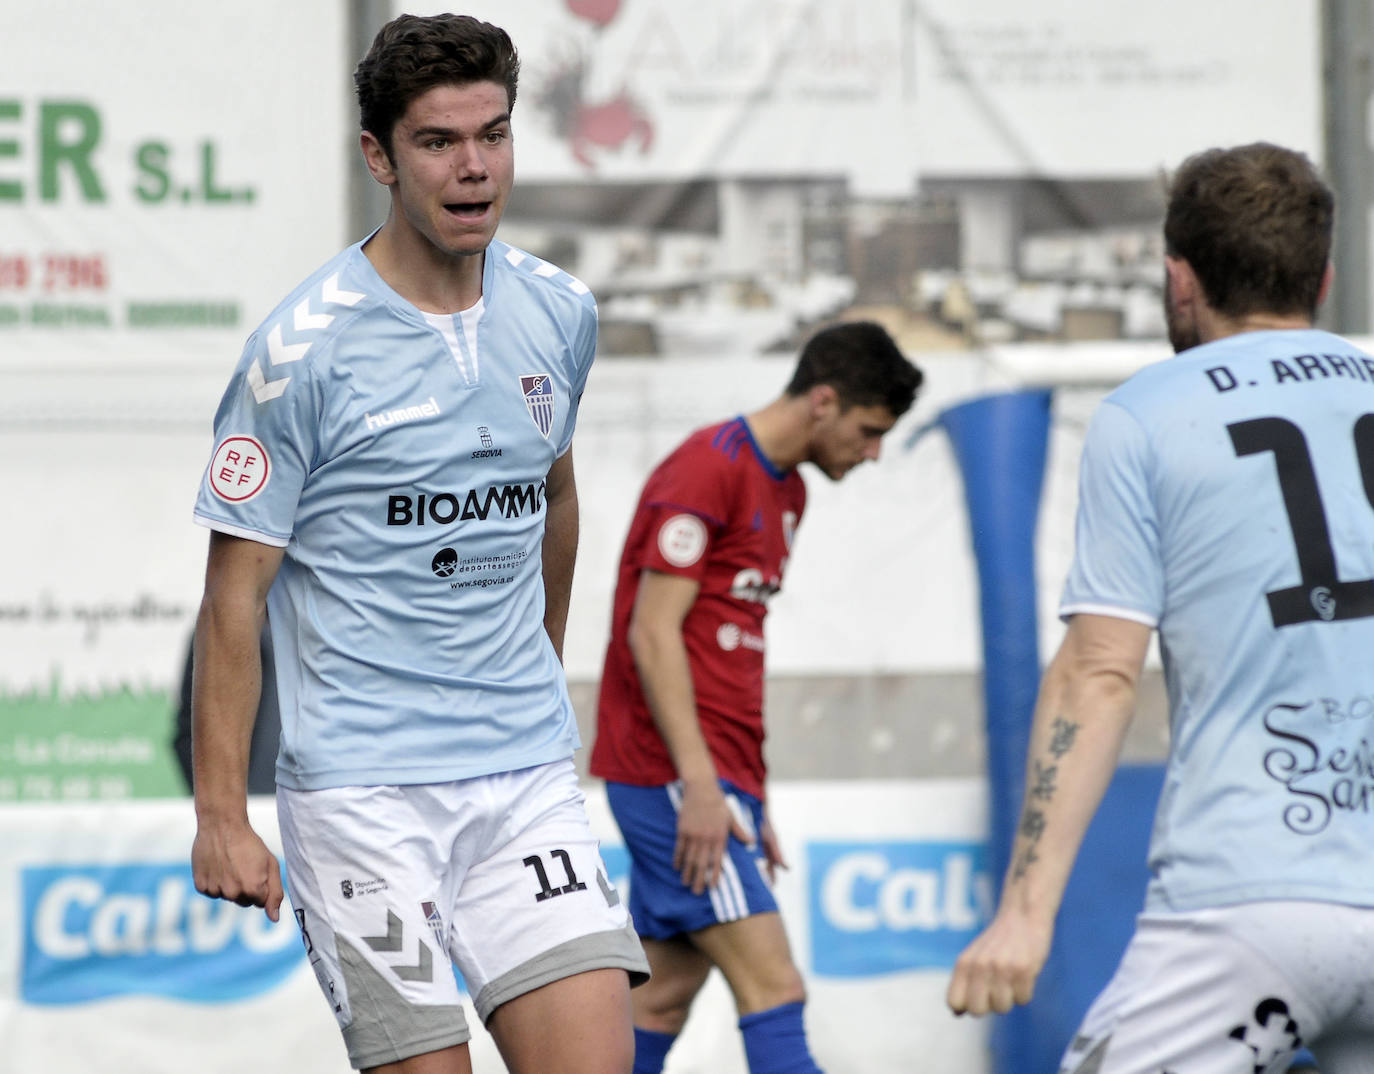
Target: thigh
[(447, 1061), (661, 905), (361, 867), (536, 906), (677, 970), (756, 959), (574, 1025), (1190, 997)]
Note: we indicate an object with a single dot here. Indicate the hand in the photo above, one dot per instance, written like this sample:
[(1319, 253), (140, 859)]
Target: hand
[(231, 862), (998, 969), (772, 850), (704, 826)]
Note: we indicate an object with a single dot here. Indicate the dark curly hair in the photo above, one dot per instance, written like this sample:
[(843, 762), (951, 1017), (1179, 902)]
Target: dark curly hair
[(862, 363), (411, 55)]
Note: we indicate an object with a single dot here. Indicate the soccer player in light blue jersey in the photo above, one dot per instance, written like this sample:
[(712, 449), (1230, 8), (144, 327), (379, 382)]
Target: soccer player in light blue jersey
[(1226, 501), (392, 487)]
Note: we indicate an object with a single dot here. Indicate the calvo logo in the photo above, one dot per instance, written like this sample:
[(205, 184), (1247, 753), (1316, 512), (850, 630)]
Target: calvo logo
[(95, 931)]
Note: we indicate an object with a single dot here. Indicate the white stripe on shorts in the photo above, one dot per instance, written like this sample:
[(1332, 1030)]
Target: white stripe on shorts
[(728, 901)]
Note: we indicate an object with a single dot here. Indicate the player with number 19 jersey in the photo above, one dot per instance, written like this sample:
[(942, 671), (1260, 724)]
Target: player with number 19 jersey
[(399, 457), (718, 512), (1227, 498)]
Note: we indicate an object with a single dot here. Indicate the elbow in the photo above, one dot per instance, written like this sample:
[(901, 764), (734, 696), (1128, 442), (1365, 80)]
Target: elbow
[(639, 639), (647, 642)]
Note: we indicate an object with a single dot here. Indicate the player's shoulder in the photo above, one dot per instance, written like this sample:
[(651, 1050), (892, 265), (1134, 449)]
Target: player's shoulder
[(318, 310), (697, 462), (719, 446), (540, 281)]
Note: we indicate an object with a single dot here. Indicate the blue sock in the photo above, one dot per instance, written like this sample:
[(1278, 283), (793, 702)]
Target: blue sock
[(651, 1049), (775, 1041)]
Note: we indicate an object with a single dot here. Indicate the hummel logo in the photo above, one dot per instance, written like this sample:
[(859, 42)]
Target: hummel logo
[(402, 414)]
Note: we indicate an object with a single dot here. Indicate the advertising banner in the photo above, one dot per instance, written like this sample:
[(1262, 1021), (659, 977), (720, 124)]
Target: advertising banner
[(166, 173), (1067, 89), (119, 964), (649, 90), (879, 91)]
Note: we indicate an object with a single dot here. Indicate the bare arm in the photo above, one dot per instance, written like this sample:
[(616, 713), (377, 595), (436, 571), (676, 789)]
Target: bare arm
[(228, 859), (559, 550), (1087, 698), (660, 655)]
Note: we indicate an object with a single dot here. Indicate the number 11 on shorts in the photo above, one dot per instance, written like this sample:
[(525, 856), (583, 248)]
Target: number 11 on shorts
[(546, 890)]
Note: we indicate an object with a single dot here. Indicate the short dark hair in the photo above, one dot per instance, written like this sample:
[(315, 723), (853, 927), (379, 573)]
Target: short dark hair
[(1255, 224), (862, 363), (412, 54)]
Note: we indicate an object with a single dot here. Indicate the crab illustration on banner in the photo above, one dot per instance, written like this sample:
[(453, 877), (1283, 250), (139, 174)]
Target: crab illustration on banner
[(598, 11)]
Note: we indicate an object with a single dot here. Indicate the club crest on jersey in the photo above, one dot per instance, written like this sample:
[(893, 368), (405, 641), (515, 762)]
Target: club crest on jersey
[(537, 389)]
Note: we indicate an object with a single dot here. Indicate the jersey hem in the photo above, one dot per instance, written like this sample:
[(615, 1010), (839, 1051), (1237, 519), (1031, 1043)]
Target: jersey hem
[(748, 788), (411, 775)]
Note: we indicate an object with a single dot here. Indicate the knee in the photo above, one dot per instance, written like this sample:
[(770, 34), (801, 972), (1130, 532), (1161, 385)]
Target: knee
[(669, 1022), (662, 1009), (769, 987)]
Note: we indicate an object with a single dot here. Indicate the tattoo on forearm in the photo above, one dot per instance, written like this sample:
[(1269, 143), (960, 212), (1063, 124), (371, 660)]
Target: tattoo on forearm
[(1041, 789), (1062, 734), (1024, 861)]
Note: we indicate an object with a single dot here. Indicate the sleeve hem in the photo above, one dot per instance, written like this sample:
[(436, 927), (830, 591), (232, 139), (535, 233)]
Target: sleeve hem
[(1066, 611), (240, 531)]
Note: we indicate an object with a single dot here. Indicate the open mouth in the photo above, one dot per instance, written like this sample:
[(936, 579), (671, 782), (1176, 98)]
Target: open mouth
[(468, 209)]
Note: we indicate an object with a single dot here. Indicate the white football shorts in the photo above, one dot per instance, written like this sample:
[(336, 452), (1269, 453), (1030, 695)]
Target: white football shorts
[(394, 886), (1236, 990)]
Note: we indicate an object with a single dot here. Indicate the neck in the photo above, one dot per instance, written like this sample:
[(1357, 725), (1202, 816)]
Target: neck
[(1216, 326), (423, 276), (782, 431)]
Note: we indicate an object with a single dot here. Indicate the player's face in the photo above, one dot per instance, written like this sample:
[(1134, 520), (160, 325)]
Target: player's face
[(847, 437), (453, 165)]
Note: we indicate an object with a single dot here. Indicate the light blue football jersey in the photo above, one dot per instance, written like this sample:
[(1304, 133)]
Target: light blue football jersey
[(1227, 498), (399, 458)]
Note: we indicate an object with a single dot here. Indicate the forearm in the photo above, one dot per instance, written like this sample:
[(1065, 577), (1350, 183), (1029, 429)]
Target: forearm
[(665, 675), (225, 694), (559, 552), (1080, 720)]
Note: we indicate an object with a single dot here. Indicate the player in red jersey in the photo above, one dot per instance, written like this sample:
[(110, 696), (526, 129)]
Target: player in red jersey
[(680, 718)]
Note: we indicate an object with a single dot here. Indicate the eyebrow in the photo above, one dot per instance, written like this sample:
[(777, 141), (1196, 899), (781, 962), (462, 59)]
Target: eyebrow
[(449, 132)]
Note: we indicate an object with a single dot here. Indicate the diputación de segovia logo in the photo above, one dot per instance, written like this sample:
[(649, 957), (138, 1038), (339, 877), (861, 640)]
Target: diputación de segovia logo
[(96, 931)]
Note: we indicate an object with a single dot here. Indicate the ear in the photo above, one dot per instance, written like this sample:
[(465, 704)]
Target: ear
[(823, 400), (378, 163), (1184, 289), (1328, 278)]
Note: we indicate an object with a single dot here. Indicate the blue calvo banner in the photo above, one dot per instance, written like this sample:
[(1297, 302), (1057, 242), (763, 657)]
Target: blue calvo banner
[(98, 931), (94, 932), (892, 906)]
